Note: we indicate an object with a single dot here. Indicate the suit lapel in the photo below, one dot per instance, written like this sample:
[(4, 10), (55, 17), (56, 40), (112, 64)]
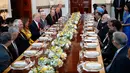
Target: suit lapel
[(35, 25), (11, 57)]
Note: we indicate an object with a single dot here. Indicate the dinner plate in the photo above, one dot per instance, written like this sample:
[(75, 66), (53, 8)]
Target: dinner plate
[(37, 45), (92, 66), (45, 38), (90, 45), (91, 54), (48, 32), (91, 38), (20, 65), (30, 53)]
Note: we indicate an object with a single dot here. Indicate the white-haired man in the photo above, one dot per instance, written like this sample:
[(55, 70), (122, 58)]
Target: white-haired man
[(103, 27), (14, 31), (120, 62), (43, 19)]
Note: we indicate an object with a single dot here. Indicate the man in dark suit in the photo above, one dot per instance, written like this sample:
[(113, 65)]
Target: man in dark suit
[(98, 15), (14, 31), (120, 62), (108, 49), (119, 8), (21, 41), (43, 19), (60, 6), (5, 55), (35, 27), (50, 18), (57, 13), (103, 27), (1, 20)]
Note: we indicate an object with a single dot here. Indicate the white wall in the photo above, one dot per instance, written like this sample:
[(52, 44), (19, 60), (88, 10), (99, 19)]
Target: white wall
[(65, 10), (36, 3)]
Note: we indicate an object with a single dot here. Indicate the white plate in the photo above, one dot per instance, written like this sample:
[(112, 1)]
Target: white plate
[(42, 38), (90, 45), (52, 28), (91, 38), (89, 28), (37, 45), (19, 65), (91, 54), (49, 32), (92, 66), (90, 24), (30, 53), (45, 38)]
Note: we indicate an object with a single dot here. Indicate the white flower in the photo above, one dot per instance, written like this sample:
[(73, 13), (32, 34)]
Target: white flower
[(63, 55)]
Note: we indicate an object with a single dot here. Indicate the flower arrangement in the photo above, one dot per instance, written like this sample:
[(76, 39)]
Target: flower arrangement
[(62, 42), (43, 69)]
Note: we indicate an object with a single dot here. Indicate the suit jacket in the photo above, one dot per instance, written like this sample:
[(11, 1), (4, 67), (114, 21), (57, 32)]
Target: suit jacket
[(22, 43), (122, 3), (99, 26), (103, 31), (121, 64), (50, 20), (43, 23), (5, 58), (109, 52), (1, 20), (105, 12), (35, 31), (60, 13), (57, 16), (4, 29), (13, 51)]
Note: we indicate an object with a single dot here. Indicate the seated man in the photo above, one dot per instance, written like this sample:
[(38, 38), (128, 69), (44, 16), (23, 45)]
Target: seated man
[(14, 31), (57, 13), (104, 28), (120, 62), (50, 19), (98, 16), (35, 27), (5, 55), (43, 19), (60, 7)]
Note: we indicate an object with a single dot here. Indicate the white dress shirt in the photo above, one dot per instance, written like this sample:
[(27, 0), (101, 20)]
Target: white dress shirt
[(36, 23)]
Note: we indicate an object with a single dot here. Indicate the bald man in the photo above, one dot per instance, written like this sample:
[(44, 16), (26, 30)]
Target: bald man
[(35, 27), (50, 18)]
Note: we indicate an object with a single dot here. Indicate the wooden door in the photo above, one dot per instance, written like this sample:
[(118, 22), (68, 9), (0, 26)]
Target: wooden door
[(87, 6), (76, 5), (80, 5), (21, 8)]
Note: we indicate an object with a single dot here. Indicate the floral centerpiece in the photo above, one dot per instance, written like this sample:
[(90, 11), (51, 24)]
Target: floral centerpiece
[(62, 42), (43, 69)]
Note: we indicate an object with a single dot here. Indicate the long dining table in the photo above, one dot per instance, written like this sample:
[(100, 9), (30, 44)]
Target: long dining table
[(73, 59)]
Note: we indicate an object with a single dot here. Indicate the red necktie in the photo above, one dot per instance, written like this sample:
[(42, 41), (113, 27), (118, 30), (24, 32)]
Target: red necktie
[(38, 26)]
